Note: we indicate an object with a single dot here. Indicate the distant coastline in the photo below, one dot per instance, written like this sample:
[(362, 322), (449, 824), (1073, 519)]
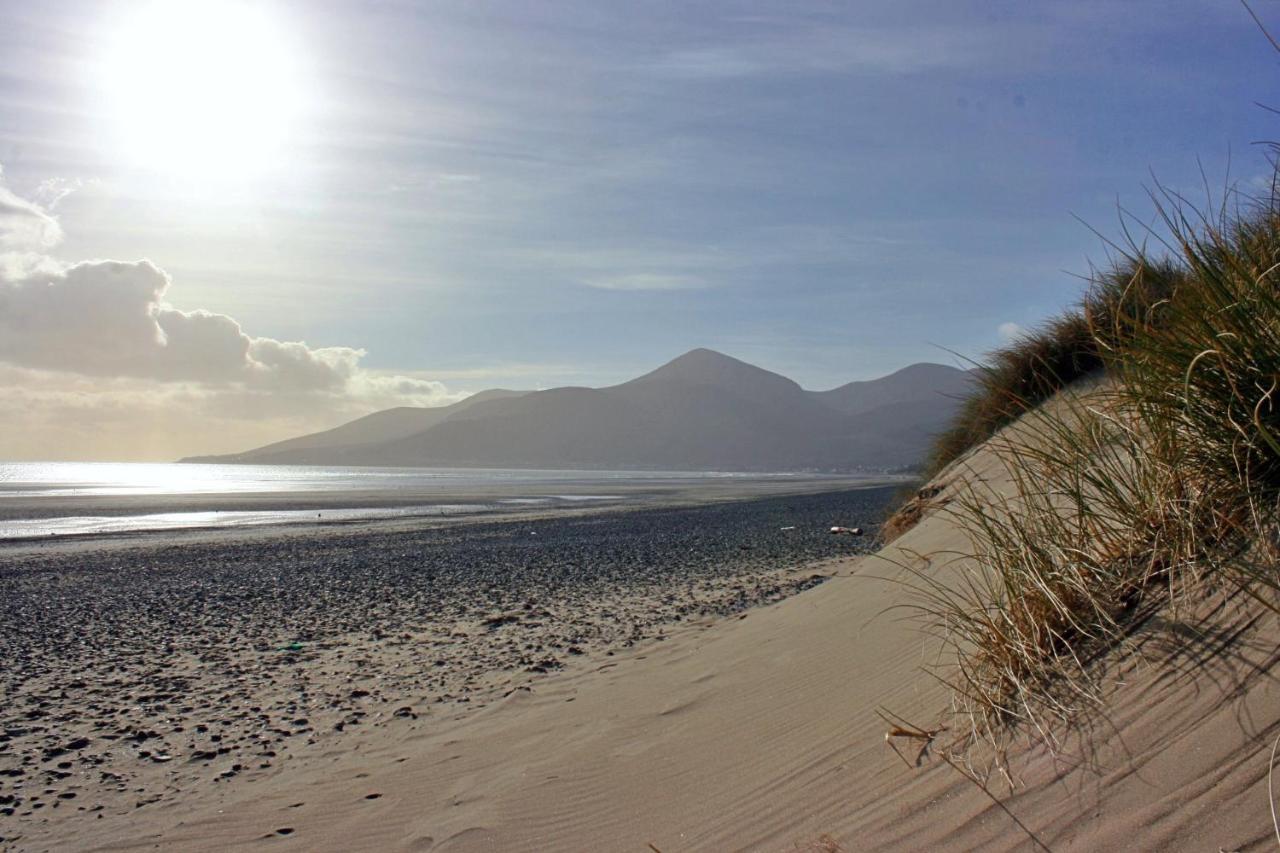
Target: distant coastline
[(38, 501)]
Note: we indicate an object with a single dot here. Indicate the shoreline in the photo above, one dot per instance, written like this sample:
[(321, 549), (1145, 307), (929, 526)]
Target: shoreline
[(622, 498)]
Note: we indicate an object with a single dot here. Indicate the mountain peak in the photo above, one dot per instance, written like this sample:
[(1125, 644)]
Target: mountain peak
[(924, 370), (913, 382), (704, 366), (703, 352), (703, 357)]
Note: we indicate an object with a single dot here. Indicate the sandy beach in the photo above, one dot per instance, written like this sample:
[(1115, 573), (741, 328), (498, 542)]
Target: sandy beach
[(150, 672), (606, 427), (700, 716)]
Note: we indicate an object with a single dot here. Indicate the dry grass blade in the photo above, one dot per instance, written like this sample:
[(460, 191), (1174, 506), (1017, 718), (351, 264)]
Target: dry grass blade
[(921, 503), (1271, 797), (899, 728)]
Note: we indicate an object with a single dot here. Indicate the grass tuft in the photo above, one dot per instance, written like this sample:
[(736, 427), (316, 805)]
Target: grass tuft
[(916, 505), (1014, 380), (1120, 497), (1017, 378)]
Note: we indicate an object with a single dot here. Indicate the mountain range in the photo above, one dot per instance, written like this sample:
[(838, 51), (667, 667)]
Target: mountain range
[(704, 411)]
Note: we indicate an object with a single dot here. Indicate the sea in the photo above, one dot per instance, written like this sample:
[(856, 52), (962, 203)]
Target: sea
[(55, 499)]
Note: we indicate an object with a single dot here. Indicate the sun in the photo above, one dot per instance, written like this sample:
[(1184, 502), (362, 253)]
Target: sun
[(201, 90)]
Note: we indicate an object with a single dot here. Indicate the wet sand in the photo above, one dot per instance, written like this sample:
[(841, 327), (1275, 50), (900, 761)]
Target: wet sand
[(424, 502)]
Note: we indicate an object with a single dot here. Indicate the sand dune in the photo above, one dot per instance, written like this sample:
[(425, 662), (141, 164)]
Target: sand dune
[(762, 733)]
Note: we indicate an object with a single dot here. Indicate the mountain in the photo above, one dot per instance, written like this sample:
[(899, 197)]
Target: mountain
[(903, 386), (386, 425), (702, 411)]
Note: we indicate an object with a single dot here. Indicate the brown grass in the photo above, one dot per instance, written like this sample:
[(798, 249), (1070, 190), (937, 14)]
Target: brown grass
[(1074, 345), (1124, 496), (1014, 380), (920, 504)]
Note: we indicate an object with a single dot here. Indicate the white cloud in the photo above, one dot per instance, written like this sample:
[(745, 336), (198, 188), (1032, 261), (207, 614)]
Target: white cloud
[(647, 281), (108, 318), (56, 415), (1010, 332), (711, 63), (508, 369), (396, 390), (831, 50), (632, 267), (52, 191), (97, 342), (24, 225)]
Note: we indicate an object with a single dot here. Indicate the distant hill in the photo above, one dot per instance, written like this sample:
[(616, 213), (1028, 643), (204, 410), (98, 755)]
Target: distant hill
[(386, 425), (903, 386), (702, 411)]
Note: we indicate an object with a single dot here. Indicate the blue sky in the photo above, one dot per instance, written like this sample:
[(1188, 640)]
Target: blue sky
[(538, 194)]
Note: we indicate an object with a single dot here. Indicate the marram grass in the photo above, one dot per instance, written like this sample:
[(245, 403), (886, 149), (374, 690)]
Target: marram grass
[(1122, 497)]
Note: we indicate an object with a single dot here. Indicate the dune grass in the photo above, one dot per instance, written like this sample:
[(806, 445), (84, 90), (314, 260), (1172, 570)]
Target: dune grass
[(1014, 380), (912, 505), (1018, 377), (1124, 496), (1098, 523)]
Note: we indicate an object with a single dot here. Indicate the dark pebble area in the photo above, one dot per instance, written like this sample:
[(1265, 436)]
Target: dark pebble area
[(132, 674)]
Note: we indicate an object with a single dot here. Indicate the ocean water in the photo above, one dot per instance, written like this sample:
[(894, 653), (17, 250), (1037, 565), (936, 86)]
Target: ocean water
[(41, 499), (45, 479)]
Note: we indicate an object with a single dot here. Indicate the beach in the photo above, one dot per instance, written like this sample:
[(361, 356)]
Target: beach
[(152, 671), (737, 688), (624, 428)]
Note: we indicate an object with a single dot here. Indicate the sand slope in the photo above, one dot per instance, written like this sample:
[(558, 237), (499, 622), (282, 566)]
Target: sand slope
[(761, 733)]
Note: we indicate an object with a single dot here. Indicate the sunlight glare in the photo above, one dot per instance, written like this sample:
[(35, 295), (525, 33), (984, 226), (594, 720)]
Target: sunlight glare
[(202, 90)]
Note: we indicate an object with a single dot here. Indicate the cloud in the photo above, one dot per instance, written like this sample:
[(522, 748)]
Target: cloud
[(53, 191), (98, 341), (108, 318), (24, 225), (508, 369), (647, 281), (831, 50), (711, 63), (650, 267), (1010, 332), (52, 415)]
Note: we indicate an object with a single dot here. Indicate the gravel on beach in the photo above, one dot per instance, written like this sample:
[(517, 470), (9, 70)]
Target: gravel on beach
[(133, 674)]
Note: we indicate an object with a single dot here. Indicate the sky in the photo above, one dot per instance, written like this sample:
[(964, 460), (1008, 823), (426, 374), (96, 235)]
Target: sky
[(222, 224)]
